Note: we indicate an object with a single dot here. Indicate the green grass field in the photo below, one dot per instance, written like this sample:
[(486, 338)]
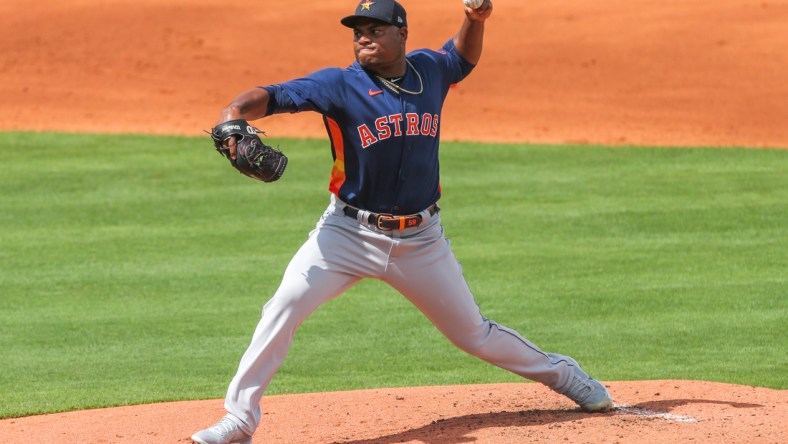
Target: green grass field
[(133, 269)]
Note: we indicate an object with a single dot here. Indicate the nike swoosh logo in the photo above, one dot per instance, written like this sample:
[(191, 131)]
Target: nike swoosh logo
[(374, 93)]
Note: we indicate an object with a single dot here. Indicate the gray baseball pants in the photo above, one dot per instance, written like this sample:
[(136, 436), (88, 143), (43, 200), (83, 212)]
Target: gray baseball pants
[(419, 263)]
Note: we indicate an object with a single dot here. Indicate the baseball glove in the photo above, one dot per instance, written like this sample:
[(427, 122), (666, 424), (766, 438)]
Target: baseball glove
[(252, 157)]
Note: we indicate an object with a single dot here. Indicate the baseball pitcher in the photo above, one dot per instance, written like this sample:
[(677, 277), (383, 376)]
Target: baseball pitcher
[(383, 118)]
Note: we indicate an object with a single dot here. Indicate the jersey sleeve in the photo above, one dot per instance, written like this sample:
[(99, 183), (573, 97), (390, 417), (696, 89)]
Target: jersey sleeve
[(456, 65), (320, 91)]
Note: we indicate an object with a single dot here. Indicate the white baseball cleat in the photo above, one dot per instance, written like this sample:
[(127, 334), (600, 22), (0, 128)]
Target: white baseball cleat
[(586, 391), (589, 394), (226, 431)]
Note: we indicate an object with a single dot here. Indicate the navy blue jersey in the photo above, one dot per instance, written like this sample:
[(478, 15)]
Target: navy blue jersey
[(384, 144)]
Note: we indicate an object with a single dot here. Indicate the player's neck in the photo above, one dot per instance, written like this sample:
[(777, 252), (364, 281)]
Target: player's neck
[(390, 71), (393, 83)]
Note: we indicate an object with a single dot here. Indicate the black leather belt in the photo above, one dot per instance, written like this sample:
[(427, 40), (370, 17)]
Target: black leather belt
[(389, 221)]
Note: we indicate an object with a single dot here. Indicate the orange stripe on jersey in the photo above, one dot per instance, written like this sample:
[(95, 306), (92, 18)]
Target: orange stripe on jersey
[(338, 146)]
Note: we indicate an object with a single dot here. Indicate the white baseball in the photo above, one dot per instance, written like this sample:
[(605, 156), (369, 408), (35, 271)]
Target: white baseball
[(473, 4)]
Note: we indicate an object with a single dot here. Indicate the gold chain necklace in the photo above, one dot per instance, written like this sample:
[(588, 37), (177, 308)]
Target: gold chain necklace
[(397, 89)]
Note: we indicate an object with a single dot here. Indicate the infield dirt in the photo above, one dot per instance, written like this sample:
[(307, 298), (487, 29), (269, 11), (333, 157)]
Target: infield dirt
[(660, 73), (642, 72)]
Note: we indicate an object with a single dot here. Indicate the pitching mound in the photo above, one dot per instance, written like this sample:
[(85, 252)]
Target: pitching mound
[(646, 412)]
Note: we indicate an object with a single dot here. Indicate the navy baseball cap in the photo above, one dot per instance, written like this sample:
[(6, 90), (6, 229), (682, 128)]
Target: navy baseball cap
[(388, 11)]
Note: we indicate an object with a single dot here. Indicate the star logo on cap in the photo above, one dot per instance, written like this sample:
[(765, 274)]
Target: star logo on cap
[(367, 5)]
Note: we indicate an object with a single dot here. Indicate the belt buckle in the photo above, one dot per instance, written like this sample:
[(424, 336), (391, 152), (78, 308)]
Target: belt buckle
[(410, 221), (379, 220)]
